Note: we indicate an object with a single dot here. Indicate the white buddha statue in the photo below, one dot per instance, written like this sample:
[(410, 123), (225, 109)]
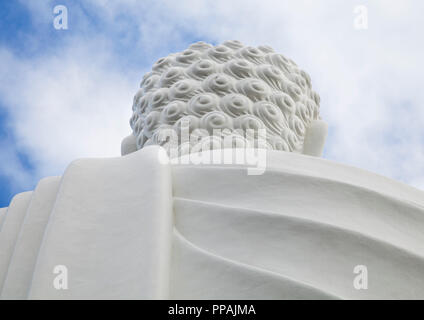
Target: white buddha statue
[(220, 193)]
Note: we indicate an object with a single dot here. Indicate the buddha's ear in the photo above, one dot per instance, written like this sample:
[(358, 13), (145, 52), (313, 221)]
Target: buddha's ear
[(315, 137), (128, 145)]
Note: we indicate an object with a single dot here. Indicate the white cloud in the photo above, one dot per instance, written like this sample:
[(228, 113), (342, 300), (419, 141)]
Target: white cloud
[(77, 103), (12, 169), (67, 106)]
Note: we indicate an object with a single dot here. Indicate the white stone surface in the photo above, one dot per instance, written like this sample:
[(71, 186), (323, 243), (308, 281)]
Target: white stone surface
[(199, 274), (21, 267), (295, 232), (3, 212), (10, 231), (315, 137), (128, 145), (305, 219), (111, 227)]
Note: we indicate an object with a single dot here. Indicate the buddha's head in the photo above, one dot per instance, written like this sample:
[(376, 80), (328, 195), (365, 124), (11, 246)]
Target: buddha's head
[(223, 91)]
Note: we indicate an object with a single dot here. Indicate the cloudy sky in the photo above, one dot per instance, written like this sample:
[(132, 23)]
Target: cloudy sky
[(66, 94)]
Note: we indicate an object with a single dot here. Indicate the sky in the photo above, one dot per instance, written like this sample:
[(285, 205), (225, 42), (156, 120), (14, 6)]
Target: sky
[(67, 94)]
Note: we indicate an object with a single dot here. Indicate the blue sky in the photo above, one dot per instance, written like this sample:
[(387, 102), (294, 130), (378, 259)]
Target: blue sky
[(66, 94)]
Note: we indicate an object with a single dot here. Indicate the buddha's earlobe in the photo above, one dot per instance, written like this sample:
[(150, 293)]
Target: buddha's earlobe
[(315, 137), (128, 145)]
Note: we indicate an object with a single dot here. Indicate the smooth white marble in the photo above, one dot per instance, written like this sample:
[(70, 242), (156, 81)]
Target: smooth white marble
[(306, 219), (214, 232), (21, 266), (10, 231), (3, 212), (111, 227)]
